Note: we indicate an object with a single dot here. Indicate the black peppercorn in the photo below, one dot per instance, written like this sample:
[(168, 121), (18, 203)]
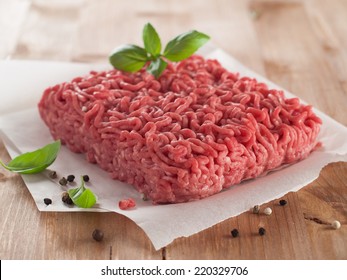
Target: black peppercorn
[(234, 233), (256, 209), (66, 198), (262, 231), (63, 181), (85, 178), (47, 201), (70, 178), (283, 202), (53, 175), (98, 235)]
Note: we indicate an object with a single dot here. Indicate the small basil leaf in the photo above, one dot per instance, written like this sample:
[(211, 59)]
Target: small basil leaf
[(82, 196), (184, 45), (157, 67), (76, 191), (86, 199), (36, 161), (129, 58), (151, 40)]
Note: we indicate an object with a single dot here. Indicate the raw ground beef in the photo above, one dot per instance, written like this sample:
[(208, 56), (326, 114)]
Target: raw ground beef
[(127, 203), (196, 130)]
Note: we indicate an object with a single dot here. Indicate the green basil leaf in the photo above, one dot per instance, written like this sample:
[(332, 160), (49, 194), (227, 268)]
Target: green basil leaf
[(157, 67), (86, 199), (184, 45), (129, 58), (151, 40), (76, 191), (36, 161), (82, 196)]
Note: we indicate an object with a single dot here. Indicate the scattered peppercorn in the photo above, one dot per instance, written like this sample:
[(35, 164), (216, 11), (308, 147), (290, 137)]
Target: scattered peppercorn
[(70, 178), (336, 224), (256, 209), (66, 198), (267, 211), (63, 181), (47, 201), (283, 202), (98, 235), (262, 231), (85, 178), (234, 233), (52, 175)]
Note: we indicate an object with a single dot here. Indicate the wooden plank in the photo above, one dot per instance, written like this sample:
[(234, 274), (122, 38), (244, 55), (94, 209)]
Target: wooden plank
[(49, 30), (295, 58), (323, 202), (327, 21), (72, 30), (12, 15)]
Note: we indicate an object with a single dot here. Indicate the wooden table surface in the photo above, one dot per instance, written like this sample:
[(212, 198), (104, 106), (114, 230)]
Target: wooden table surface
[(300, 45)]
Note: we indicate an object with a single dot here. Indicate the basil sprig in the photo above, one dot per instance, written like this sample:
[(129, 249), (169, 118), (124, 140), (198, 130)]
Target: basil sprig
[(34, 162), (131, 58), (82, 196)]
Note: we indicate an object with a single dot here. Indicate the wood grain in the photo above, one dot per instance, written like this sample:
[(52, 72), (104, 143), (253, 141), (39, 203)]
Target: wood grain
[(12, 15), (300, 45)]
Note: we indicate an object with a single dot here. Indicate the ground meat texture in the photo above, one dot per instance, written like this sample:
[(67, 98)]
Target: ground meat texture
[(189, 134), (127, 203)]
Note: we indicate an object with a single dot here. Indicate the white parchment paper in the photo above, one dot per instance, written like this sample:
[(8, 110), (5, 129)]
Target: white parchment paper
[(22, 130)]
